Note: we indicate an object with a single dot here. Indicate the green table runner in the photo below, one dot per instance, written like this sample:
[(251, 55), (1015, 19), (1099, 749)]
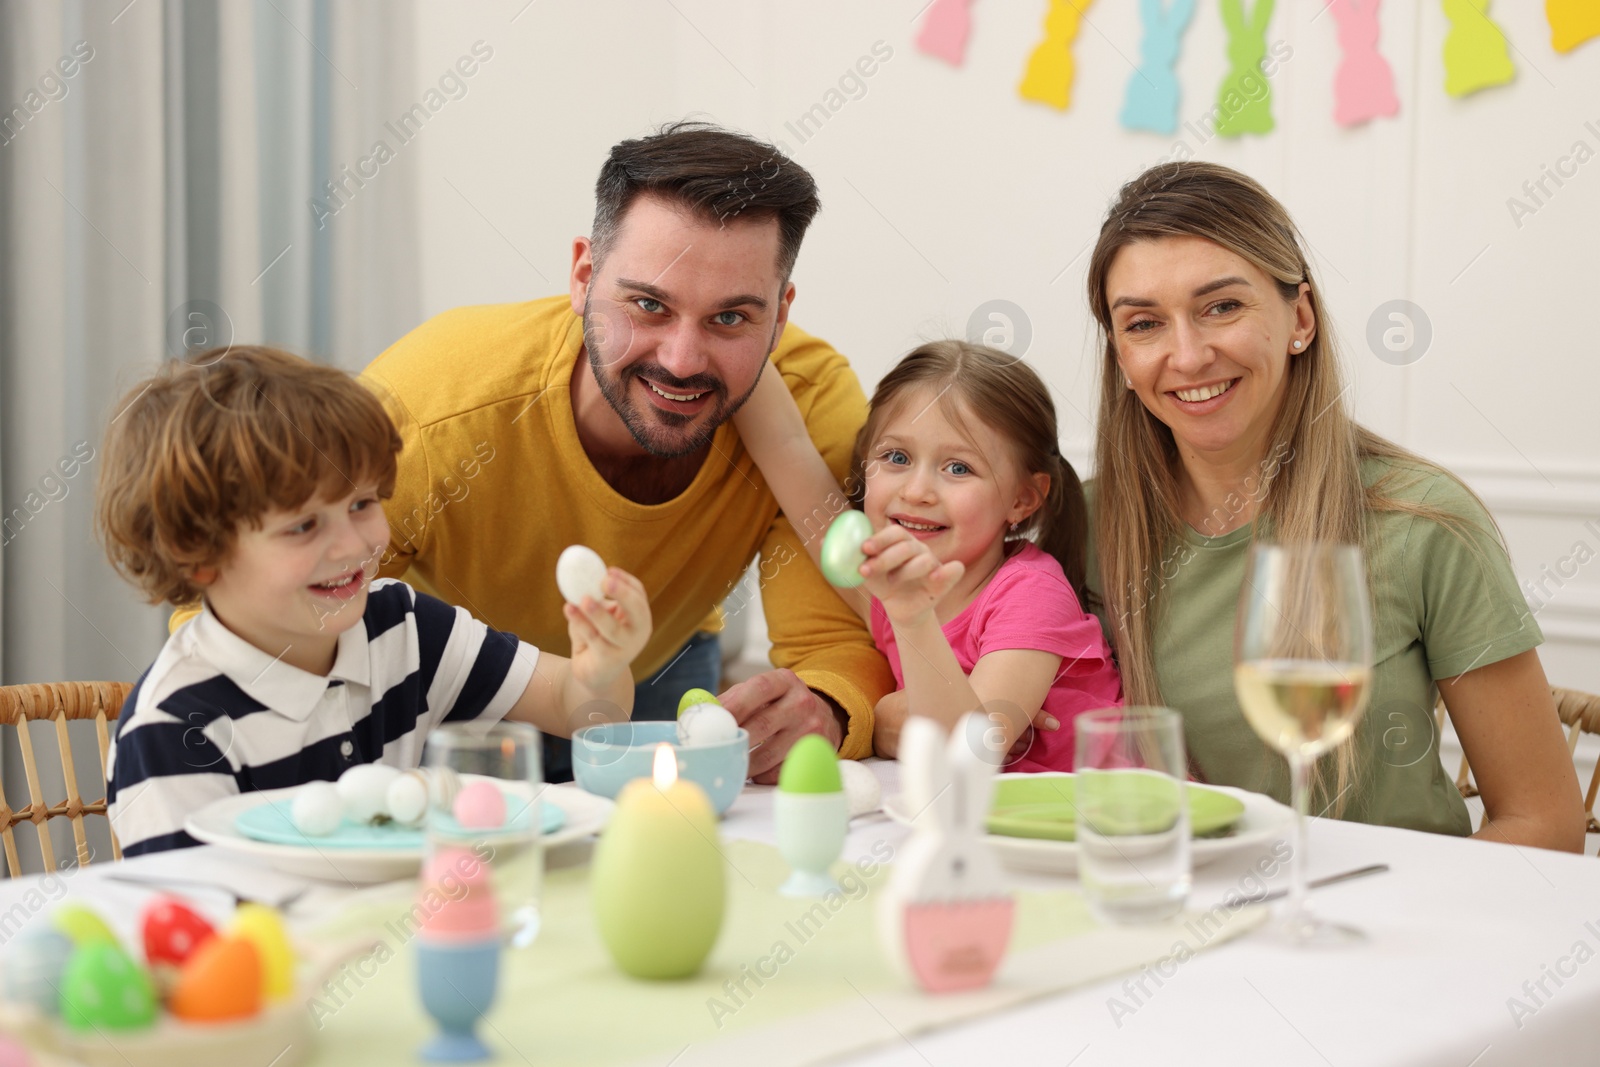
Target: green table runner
[(790, 981)]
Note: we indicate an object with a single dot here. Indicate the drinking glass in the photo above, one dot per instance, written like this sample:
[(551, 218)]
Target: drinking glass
[(1132, 813), (1303, 674), (507, 755)]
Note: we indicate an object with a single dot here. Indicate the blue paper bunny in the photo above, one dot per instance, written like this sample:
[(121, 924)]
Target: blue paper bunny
[(1152, 99)]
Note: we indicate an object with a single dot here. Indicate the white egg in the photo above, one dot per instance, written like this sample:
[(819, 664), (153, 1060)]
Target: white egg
[(365, 791), (861, 787), (706, 724), (579, 573), (406, 799), (317, 809)]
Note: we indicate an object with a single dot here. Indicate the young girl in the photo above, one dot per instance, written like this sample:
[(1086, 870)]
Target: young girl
[(976, 564)]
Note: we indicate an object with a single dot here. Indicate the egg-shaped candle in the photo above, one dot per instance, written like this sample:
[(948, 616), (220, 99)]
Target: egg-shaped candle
[(811, 814), (658, 879)]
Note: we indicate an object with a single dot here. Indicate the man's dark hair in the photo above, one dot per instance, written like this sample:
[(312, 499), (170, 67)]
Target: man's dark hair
[(717, 174)]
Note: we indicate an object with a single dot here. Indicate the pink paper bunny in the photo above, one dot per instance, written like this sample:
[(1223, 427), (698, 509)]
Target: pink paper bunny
[(1363, 88)]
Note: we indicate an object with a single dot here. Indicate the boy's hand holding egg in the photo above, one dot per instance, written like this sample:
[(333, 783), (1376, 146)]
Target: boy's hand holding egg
[(608, 616), (905, 575)]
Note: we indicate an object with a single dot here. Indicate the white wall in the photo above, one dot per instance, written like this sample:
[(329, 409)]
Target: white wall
[(943, 190)]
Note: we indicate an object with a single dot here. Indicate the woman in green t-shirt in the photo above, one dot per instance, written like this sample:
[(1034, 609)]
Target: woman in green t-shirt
[(1222, 410)]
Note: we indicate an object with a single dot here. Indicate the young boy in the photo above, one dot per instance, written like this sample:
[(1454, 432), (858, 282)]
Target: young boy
[(252, 478)]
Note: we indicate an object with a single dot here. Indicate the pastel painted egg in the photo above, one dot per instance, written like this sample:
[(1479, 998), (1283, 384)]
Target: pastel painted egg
[(861, 787), (841, 548), (263, 928), (443, 785), (172, 931), (579, 573), (365, 790), (81, 925), (706, 724), (103, 989), (318, 809), (480, 806), (696, 696), (14, 1054), (35, 960), (812, 766), (407, 798), (223, 980)]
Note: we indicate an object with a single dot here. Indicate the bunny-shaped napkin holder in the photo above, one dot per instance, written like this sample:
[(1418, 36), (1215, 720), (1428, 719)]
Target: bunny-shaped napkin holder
[(945, 916)]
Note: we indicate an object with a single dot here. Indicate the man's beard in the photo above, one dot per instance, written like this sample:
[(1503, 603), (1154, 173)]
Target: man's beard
[(646, 427)]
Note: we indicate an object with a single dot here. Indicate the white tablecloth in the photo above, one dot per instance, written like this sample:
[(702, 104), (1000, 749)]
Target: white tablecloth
[(1477, 955)]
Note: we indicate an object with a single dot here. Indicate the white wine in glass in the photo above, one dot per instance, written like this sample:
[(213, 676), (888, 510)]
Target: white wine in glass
[(1303, 675), (1305, 705)]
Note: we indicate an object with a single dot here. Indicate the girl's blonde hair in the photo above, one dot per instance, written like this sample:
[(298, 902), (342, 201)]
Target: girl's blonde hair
[(1014, 404), (1310, 486)]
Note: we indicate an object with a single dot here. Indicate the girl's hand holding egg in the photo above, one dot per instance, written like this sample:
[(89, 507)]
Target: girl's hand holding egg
[(606, 632), (905, 575)]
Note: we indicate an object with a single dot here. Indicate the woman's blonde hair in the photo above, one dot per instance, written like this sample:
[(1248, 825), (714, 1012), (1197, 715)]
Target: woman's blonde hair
[(1014, 404), (1309, 487)]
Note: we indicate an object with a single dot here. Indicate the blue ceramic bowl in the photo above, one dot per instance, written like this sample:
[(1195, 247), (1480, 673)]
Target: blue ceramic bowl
[(609, 756)]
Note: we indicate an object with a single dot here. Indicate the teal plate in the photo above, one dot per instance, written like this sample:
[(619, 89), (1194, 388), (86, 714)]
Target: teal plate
[(273, 823), (1041, 806)]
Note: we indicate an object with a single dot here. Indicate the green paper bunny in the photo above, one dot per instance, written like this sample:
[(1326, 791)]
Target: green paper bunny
[(1244, 101)]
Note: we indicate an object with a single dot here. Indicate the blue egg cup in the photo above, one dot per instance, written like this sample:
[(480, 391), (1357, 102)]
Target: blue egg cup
[(457, 982), (609, 756)]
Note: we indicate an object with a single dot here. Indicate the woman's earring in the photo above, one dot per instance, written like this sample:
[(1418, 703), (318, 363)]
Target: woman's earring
[(1128, 382), (1298, 345)]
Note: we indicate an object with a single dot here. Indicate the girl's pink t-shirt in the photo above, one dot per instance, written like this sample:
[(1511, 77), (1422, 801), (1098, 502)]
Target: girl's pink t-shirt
[(1029, 604)]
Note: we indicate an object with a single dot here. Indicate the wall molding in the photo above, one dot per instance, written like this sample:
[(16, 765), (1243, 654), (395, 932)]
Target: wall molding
[(1564, 490)]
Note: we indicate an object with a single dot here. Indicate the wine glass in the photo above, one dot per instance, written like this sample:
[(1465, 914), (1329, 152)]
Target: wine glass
[(1303, 674)]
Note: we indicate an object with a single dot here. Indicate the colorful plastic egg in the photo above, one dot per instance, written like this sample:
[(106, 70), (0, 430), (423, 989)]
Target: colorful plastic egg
[(172, 931), (104, 990), (365, 790), (706, 724), (480, 806), (696, 696), (263, 928), (35, 960), (82, 925), (223, 980), (318, 809), (841, 549), (580, 572)]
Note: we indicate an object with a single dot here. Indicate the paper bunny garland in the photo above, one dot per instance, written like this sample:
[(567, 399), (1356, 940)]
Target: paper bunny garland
[(1152, 99), (1363, 87)]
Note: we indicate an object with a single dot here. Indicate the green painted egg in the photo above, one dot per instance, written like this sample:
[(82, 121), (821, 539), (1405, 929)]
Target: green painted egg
[(693, 697), (811, 767), (841, 549)]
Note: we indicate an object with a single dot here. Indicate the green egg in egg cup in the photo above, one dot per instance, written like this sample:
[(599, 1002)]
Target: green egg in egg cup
[(811, 814)]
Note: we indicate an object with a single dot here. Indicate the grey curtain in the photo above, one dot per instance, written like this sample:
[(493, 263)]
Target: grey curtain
[(164, 185)]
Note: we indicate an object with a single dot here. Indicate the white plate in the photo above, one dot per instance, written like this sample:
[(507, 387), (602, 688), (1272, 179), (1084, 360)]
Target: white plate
[(1264, 820), (585, 814)]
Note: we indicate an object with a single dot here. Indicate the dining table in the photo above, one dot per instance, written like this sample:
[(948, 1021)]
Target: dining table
[(1471, 953)]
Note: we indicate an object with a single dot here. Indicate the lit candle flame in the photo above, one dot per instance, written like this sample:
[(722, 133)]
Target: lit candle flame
[(666, 767)]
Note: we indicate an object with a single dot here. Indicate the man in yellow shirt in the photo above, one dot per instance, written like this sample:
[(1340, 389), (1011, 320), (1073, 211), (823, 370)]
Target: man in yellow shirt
[(603, 418)]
